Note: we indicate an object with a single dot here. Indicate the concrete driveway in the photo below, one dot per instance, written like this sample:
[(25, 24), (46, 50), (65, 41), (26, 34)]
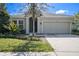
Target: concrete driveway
[(64, 45)]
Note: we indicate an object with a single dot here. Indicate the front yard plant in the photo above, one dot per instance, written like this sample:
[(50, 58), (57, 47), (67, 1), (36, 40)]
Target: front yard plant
[(76, 32)]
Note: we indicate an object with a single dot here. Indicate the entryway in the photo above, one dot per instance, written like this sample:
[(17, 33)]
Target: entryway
[(31, 25)]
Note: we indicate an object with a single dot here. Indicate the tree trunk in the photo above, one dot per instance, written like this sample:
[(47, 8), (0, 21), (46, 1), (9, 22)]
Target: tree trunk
[(33, 17), (33, 27)]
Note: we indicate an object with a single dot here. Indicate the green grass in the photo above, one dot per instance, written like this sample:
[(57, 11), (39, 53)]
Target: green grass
[(18, 45)]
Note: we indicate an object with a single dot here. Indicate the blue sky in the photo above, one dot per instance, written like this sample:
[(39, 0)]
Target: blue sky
[(59, 8)]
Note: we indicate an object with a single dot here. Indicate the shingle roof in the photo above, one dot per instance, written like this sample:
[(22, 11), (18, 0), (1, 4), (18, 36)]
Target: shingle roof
[(21, 15)]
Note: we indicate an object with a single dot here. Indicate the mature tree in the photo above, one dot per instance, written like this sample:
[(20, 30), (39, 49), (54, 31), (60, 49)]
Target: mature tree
[(35, 10), (4, 17)]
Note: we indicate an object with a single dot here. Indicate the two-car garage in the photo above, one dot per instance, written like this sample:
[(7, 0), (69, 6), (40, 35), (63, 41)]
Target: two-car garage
[(55, 25), (56, 28)]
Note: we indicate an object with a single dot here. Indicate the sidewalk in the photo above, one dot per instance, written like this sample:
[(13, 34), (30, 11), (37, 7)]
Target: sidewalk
[(27, 54), (65, 46)]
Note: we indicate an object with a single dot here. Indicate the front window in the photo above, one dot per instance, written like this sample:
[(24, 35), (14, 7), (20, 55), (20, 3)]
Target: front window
[(21, 24)]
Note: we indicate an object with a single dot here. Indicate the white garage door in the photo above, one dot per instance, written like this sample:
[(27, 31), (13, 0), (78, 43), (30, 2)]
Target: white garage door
[(51, 27)]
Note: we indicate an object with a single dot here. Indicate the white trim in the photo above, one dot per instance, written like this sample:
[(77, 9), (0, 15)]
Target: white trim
[(17, 23), (23, 24), (27, 25), (56, 16), (37, 25), (42, 26), (70, 28)]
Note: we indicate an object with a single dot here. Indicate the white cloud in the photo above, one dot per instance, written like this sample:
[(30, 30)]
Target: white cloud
[(61, 11)]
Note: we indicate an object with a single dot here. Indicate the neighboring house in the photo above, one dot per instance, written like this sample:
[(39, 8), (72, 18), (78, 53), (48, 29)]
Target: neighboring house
[(45, 24)]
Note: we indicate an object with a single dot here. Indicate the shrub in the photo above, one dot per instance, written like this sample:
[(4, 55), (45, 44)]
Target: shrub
[(12, 27), (75, 31), (22, 31)]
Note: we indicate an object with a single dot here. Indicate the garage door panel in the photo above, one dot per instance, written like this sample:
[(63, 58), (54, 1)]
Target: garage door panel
[(50, 27)]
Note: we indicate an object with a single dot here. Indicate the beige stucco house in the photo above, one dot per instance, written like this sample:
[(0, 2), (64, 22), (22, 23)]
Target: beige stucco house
[(45, 24)]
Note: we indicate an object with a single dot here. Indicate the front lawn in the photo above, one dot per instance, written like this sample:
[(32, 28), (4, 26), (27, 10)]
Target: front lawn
[(18, 45)]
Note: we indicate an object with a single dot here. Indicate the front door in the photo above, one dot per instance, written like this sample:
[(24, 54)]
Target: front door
[(31, 25)]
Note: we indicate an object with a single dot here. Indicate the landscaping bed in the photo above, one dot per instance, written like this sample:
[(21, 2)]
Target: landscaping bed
[(76, 32), (26, 45)]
